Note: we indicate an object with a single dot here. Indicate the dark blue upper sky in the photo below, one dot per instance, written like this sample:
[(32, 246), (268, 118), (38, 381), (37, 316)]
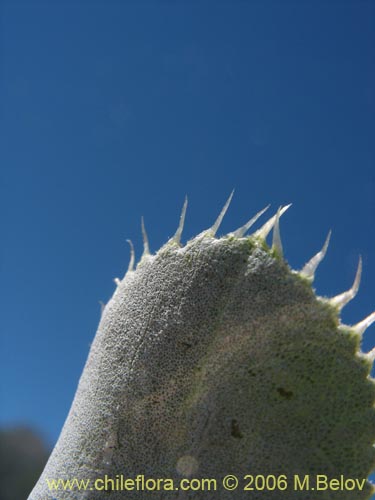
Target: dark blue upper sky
[(113, 110)]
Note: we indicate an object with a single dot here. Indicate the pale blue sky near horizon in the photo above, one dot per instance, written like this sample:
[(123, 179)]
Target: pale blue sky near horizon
[(113, 110)]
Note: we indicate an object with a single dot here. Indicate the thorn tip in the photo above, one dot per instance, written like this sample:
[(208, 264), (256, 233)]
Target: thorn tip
[(311, 266), (132, 256), (362, 326), (240, 232), (177, 236), (215, 227), (264, 231), (343, 298), (276, 238), (146, 247)]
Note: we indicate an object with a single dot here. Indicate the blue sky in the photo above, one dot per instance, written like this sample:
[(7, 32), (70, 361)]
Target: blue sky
[(113, 110)]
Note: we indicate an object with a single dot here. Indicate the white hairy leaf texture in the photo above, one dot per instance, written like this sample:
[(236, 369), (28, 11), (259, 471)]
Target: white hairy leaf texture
[(216, 358)]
